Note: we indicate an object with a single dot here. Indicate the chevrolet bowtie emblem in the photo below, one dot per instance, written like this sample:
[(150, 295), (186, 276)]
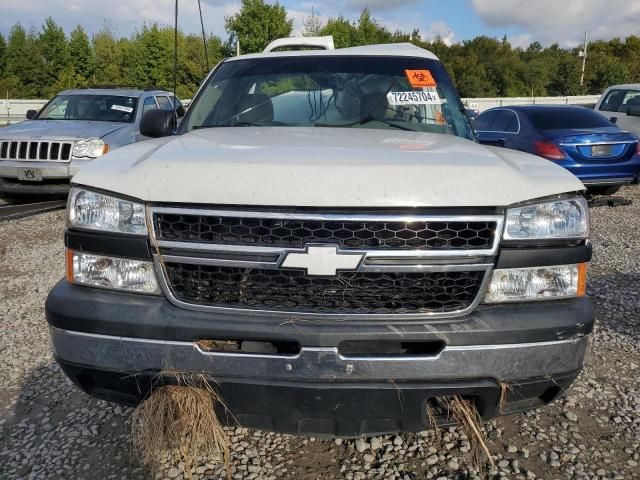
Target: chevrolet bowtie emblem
[(322, 260)]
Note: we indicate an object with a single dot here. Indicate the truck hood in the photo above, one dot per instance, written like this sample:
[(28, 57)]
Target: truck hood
[(332, 167), (59, 129)]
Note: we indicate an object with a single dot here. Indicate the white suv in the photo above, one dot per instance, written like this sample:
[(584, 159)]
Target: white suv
[(326, 240)]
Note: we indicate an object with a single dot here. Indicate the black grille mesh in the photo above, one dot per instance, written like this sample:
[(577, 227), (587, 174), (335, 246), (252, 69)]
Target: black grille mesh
[(347, 234), (346, 293)]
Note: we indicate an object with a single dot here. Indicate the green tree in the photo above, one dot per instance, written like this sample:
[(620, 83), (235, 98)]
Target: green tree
[(81, 53), (257, 24), (66, 80), (615, 73), (24, 63), (537, 76), (369, 31), (3, 53), (107, 54), (150, 59), (312, 24), (631, 58), (469, 75), (566, 79), (55, 53), (343, 31)]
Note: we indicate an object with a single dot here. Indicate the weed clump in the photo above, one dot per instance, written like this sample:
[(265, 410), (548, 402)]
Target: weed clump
[(180, 421)]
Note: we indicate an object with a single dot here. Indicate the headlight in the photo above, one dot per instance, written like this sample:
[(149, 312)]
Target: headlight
[(111, 273), (89, 148), (555, 219), (539, 283), (97, 211)]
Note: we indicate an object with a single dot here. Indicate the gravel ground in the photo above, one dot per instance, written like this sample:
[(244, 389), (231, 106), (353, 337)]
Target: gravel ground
[(50, 430)]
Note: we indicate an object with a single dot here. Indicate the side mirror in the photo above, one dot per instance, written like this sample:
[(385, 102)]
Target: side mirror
[(613, 120), (157, 123), (633, 111), (31, 114)]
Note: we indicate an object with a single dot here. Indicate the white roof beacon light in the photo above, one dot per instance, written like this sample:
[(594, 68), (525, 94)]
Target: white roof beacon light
[(321, 43)]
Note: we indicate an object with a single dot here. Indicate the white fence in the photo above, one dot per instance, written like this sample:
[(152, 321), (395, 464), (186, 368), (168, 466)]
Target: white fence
[(12, 111), (482, 104)]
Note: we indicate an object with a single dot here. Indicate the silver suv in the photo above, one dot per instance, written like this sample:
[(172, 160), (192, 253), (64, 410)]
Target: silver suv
[(39, 156)]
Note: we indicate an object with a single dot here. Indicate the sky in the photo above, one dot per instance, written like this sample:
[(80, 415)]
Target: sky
[(522, 21)]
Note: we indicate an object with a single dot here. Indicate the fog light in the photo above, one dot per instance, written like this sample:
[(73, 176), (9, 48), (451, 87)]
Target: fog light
[(539, 283), (112, 273)]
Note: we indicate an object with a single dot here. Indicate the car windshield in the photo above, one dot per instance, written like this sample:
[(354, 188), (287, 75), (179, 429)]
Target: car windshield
[(99, 108), (562, 118), (398, 93)]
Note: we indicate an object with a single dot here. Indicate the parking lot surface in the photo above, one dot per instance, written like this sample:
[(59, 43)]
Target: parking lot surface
[(51, 430)]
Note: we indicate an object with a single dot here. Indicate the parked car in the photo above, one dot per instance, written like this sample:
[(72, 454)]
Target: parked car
[(39, 156), (327, 242), (595, 150), (621, 104)]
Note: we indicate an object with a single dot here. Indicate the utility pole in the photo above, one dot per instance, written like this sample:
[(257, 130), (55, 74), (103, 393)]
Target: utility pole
[(583, 54), (204, 38)]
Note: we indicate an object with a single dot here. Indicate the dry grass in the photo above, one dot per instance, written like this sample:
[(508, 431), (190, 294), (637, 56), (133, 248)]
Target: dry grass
[(433, 422), (465, 413), (505, 388), (180, 421)]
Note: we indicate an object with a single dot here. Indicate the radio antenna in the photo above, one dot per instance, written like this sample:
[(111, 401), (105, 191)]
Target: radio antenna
[(204, 38), (175, 67)]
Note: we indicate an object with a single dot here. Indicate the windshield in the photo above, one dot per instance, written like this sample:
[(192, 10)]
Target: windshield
[(562, 118), (401, 93), (99, 108)]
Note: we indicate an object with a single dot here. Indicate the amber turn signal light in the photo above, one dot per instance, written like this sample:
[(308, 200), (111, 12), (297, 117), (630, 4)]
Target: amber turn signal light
[(582, 280)]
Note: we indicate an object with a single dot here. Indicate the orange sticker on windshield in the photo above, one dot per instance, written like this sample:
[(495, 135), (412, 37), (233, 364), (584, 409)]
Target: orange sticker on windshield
[(420, 78)]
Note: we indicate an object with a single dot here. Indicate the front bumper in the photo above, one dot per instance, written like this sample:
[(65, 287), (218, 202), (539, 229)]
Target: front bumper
[(56, 176), (506, 362), (118, 350)]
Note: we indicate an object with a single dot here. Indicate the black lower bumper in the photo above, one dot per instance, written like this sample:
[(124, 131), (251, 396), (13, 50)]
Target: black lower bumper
[(114, 346), (90, 310), (341, 409)]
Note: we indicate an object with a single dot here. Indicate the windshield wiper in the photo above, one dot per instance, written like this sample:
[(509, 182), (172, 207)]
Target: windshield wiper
[(364, 122), (237, 124)]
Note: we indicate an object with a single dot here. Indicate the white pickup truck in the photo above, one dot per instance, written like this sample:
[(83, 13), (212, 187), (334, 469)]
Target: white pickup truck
[(325, 239), (621, 104)]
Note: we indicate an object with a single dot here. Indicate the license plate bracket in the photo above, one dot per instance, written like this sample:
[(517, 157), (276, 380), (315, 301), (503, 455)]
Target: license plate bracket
[(30, 174), (601, 150)]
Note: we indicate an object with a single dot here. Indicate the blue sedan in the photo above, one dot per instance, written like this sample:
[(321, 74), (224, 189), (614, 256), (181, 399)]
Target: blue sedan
[(584, 142)]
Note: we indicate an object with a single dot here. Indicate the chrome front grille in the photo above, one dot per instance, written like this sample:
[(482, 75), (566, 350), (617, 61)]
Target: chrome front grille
[(241, 267), (32, 150)]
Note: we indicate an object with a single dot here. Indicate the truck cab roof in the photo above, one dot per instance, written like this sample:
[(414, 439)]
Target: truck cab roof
[(390, 49), (120, 92)]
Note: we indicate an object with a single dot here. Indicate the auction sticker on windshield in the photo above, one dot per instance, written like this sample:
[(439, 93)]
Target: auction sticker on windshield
[(122, 108), (413, 98)]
